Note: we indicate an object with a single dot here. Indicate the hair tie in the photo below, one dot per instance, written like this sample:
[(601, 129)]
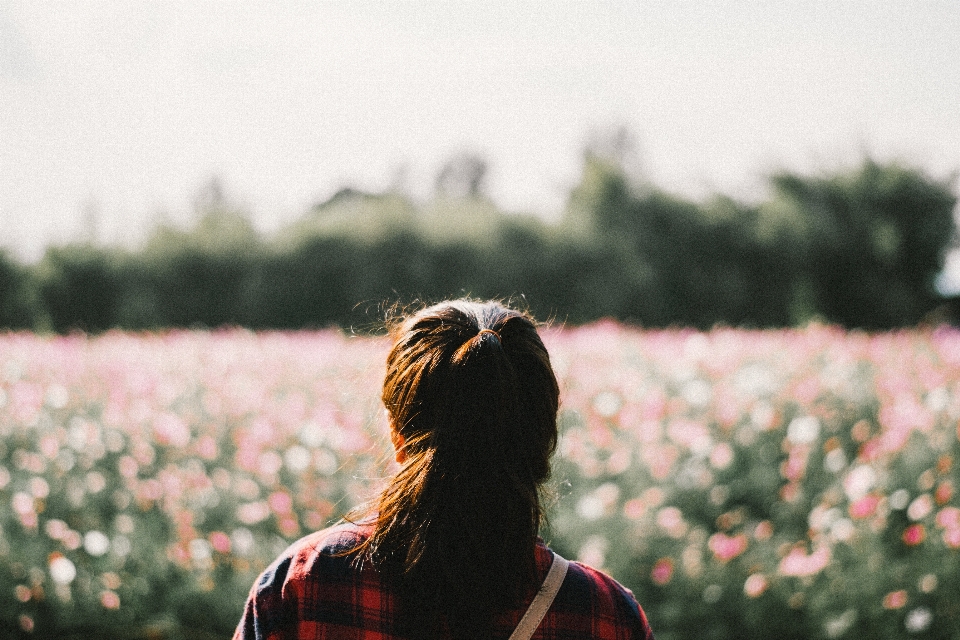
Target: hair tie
[(491, 332)]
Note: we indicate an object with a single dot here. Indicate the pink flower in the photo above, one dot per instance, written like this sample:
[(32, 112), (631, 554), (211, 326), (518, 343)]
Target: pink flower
[(949, 518), (914, 535), (207, 448), (864, 507), (128, 467), (797, 563), (687, 433), (895, 599), (170, 430), (721, 456), (634, 509), (660, 459), (795, 465), (22, 503), (726, 548), (288, 525), (220, 542), (662, 571), (253, 512), (109, 600), (670, 519), (26, 401), (755, 585), (280, 502), (944, 492), (951, 538), (763, 530)]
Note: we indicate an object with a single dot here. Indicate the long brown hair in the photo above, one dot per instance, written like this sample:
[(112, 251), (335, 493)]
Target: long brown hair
[(470, 388)]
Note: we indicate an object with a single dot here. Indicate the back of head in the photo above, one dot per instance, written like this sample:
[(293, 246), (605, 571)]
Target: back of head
[(470, 389)]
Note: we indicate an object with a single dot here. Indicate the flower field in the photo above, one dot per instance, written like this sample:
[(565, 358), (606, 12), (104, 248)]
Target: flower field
[(745, 484)]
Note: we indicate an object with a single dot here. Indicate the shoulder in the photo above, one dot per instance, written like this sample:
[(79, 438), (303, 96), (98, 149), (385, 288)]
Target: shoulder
[(326, 552), (607, 592), (314, 581), (337, 540), (611, 608)]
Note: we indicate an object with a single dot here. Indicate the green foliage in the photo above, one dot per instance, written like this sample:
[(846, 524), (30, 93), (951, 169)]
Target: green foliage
[(873, 241), (704, 264), (80, 288), (859, 249), (18, 303)]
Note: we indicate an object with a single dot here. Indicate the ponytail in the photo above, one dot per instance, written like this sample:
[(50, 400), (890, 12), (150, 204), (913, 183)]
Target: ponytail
[(470, 388)]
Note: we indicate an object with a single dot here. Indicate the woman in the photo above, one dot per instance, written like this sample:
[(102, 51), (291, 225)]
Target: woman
[(450, 549)]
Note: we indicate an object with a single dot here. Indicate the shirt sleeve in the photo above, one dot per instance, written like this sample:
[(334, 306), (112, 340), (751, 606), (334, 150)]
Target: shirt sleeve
[(591, 604), (643, 630), (640, 627), (268, 614)]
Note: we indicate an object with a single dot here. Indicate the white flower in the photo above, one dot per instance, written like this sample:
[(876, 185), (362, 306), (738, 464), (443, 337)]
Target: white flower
[(697, 393), (96, 543), (836, 627), (712, 593), (594, 551), (590, 507), (200, 550), (899, 499), (607, 404), (57, 396), (920, 508), (938, 399), (835, 461), (843, 529), (297, 458), (859, 481), (242, 541), (325, 461), (62, 570), (918, 620), (803, 430), (122, 545)]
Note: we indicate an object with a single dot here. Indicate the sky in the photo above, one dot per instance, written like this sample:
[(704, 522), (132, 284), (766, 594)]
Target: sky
[(121, 111)]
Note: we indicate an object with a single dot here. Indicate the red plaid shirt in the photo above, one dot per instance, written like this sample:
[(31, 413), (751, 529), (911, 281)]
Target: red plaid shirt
[(310, 593)]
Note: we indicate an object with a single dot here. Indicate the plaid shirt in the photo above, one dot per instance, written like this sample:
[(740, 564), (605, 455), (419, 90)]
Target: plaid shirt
[(309, 593)]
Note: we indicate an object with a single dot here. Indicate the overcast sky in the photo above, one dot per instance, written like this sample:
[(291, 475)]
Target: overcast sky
[(127, 108)]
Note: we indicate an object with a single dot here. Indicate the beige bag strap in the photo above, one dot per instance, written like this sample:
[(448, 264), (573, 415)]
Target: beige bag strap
[(541, 603)]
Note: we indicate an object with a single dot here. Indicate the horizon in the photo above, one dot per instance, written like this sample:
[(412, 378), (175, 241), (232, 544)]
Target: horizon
[(123, 110)]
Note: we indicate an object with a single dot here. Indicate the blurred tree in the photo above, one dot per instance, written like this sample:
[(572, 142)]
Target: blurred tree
[(618, 146), (462, 176), (18, 303), (873, 241), (692, 264), (80, 288), (351, 213), (860, 249), (303, 287), (199, 276)]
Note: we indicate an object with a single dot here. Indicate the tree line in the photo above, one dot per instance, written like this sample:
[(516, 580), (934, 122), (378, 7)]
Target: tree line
[(860, 248)]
